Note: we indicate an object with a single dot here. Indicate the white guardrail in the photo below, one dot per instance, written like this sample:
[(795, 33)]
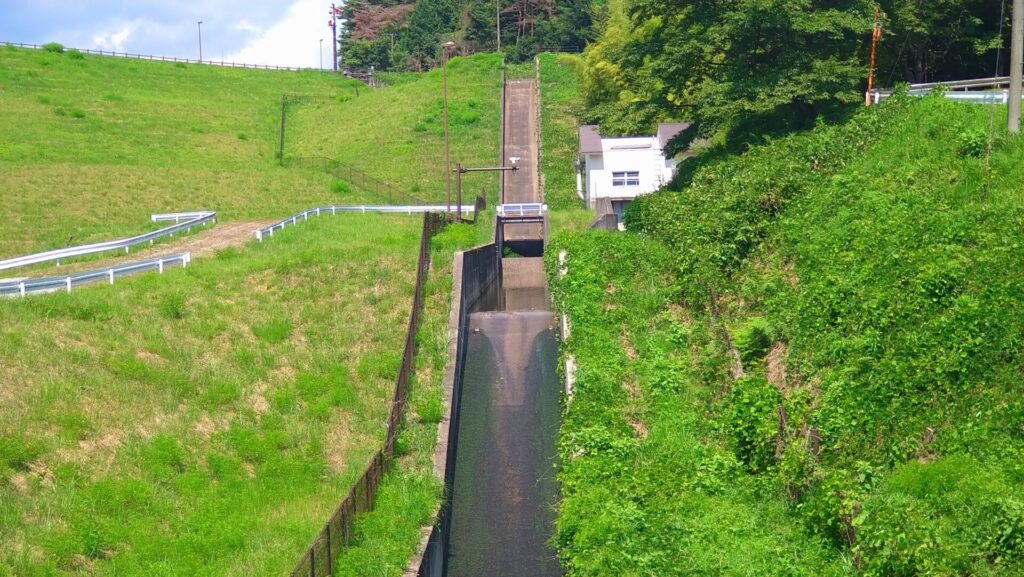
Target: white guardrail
[(522, 209), (23, 287), (977, 90), (335, 209), (183, 221)]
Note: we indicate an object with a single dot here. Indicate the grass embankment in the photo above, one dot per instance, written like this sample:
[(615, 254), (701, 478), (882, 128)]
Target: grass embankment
[(396, 134), (385, 538), (206, 421), (90, 146), (560, 107), (870, 277)]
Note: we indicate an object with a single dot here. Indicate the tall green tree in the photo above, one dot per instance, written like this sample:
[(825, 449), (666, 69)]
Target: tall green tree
[(736, 65), (935, 40)]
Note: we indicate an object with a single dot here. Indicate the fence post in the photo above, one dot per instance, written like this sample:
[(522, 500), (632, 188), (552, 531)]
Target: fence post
[(312, 560), (330, 552), (111, 274), (280, 146), (68, 281)]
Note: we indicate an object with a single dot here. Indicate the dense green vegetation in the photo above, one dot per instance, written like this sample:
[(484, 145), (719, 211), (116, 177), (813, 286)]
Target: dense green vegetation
[(397, 35), (91, 146), (396, 133), (869, 277), (745, 70), (207, 420)]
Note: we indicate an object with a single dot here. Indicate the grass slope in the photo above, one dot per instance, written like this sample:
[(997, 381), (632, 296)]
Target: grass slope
[(206, 421), (396, 133), (90, 146), (870, 277)]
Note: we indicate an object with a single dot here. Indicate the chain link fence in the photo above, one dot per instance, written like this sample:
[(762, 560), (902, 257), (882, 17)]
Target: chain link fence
[(318, 560)]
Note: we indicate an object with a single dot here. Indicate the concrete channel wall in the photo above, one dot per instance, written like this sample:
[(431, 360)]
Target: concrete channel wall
[(475, 286)]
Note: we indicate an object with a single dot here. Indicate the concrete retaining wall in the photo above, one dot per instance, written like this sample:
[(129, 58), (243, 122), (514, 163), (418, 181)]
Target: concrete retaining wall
[(475, 287)]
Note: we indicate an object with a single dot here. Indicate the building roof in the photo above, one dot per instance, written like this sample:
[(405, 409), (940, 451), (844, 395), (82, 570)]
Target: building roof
[(590, 140), (669, 130)]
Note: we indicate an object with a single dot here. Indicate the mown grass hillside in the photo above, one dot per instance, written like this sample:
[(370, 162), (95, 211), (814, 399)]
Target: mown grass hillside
[(90, 146), (396, 134), (868, 276), (206, 421), (561, 105)]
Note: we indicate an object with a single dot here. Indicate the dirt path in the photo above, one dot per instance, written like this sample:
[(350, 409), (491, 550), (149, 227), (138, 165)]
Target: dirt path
[(201, 243)]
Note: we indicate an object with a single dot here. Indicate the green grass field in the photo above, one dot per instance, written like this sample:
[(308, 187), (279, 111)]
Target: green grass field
[(206, 421), (91, 146), (396, 133)]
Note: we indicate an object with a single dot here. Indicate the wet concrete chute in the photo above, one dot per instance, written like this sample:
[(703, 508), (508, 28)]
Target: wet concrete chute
[(501, 484)]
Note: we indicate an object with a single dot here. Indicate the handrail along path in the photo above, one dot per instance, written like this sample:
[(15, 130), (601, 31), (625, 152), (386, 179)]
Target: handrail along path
[(183, 221)]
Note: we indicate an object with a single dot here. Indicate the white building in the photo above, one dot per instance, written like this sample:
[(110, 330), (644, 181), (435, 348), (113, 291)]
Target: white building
[(621, 169)]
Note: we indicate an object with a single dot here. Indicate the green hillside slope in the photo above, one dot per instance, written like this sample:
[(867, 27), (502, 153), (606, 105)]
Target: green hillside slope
[(90, 146), (396, 134), (869, 276), (207, 420)]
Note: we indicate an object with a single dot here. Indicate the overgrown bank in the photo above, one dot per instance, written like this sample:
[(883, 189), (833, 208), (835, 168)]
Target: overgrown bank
[(870, 276)]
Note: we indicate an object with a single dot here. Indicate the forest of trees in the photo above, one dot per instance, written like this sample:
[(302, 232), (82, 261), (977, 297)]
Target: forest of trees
[(739, 68), (405, 35)]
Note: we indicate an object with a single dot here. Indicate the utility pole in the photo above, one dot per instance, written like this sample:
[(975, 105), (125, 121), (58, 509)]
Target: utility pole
[(876, 33), (333, 23), (444, 100), (1016, 67), (497, 21), (199, 25), (321, 54)]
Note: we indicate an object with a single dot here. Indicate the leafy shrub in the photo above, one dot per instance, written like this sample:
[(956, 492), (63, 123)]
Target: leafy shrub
[(972, 143), (55, 47), (754, 421), (936, 518), (753, 339), (75, 55)]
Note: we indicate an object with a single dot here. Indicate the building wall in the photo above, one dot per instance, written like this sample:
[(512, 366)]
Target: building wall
[(624, 155)]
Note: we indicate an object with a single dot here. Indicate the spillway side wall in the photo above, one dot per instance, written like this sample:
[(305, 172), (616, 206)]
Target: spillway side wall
[(475, 287)]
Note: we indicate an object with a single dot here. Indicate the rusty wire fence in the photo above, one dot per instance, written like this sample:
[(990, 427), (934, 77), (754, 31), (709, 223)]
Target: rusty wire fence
[(318, 560)]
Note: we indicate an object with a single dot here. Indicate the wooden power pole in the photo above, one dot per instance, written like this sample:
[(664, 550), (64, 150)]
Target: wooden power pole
[(1016, 67)]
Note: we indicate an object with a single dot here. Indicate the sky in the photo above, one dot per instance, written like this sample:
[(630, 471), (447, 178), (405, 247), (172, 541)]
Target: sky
[(281, 33)]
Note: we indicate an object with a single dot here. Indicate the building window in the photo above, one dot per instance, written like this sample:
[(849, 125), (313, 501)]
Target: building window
[(625, 179)]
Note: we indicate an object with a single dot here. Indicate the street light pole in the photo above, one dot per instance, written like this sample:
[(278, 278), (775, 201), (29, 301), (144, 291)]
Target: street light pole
[(199, 25), (444, 101), (1016, 63), (321, 55)]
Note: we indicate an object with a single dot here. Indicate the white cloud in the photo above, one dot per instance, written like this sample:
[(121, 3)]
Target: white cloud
[(292, 41), (244, 25), (114, 41)]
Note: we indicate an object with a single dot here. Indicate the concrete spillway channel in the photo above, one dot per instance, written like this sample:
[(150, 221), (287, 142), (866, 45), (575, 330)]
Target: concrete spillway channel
[(502, 457), (498, 450)]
